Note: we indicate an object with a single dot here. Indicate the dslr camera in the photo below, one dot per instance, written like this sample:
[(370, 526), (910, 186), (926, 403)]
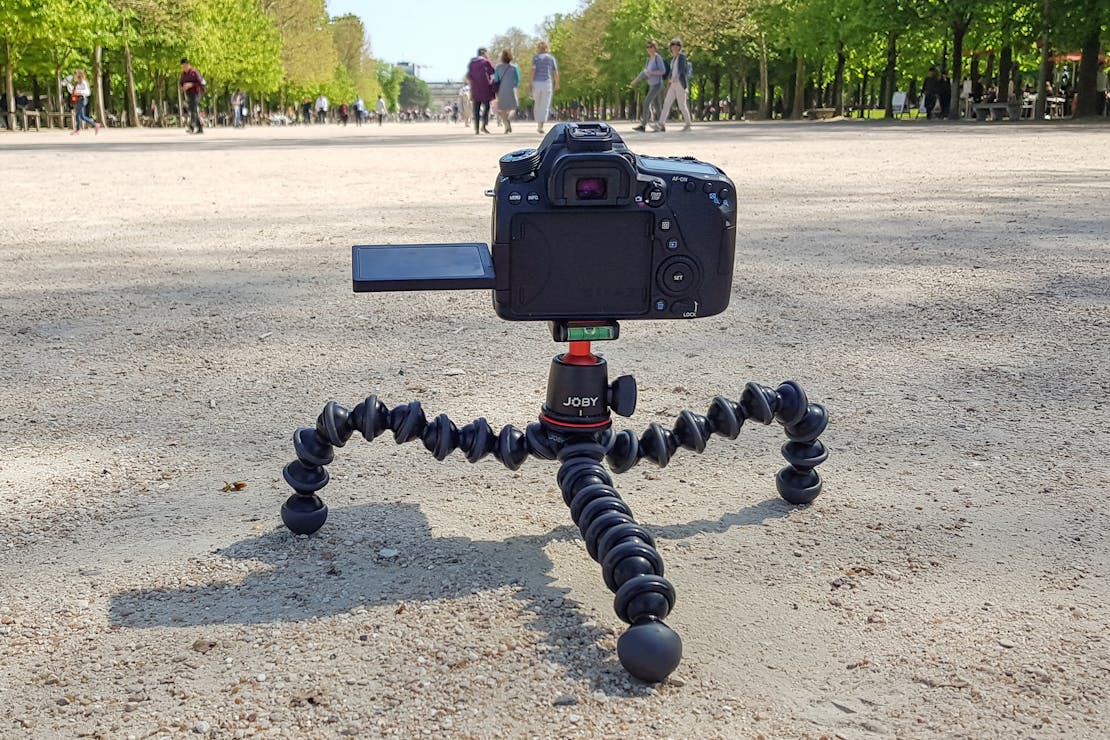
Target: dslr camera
[(584, 230)]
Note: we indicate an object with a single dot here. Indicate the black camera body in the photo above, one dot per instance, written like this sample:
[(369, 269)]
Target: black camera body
[(585, 230)]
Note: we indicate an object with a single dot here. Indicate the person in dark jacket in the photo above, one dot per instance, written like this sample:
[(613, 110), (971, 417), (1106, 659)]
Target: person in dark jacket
[(932, 91), (192, 84), (479, 74)]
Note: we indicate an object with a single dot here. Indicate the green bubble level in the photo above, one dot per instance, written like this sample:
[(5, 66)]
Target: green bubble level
[(590, 333)]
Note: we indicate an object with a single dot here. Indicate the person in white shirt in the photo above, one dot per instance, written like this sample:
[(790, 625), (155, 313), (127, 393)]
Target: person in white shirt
[(676, 87), (381, 109), (79, 94), (322, 109)]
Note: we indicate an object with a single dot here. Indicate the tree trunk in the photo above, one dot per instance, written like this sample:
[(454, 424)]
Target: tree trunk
[(1042, 70), (1087, 83), (862, 101), (132, 102), (1005, 64), (888, 77), (716, 104), (764, 82), (9, 85), (98, 75), (58, 87), (797, 108), (959, 30), (838, 79)]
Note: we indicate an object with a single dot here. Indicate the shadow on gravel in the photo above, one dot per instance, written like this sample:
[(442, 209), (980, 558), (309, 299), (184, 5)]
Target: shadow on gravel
[(385, 555)]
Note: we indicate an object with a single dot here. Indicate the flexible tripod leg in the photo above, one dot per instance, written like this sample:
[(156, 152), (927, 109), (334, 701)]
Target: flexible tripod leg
[(803, 422), (630, 564), (304, 512)]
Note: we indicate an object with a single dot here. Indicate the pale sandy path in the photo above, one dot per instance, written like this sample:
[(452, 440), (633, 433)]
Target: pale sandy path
[(171, 308)]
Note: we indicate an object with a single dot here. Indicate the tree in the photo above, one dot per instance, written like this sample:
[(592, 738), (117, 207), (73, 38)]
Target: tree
[(308, 55), (353, 51), (17, 19), (235, 44), (414, 94), (390, 77)]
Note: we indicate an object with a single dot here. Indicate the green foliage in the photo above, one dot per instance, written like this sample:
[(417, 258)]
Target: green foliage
[(390, 78), (414, 94), (291, 48), (234, 43)]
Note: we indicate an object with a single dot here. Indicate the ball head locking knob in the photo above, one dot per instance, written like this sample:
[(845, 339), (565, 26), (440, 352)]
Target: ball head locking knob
[(622, 395)]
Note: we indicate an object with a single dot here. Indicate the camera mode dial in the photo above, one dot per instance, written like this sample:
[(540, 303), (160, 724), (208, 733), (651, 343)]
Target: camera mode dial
[(655, 194), (521, 163)]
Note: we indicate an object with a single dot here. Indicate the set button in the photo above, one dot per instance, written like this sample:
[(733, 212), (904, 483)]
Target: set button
[(677, 275)]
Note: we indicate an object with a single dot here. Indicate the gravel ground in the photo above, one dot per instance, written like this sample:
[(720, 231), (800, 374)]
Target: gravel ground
[(173, 307)]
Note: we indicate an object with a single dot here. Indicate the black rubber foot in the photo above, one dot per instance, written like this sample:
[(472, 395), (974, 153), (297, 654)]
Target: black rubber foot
[(304, 514), (798, 488), (650, 650)]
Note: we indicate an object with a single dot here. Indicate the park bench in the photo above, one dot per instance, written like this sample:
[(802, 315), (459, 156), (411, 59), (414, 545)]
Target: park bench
[(995, 111), (817, 114), (63, 119), (27, 116)]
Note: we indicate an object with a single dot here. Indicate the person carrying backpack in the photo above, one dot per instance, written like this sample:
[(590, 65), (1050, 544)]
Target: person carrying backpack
[(678, 77)]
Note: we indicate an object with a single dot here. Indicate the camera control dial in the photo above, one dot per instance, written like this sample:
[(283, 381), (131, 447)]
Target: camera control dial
[(520, 163), (678, 276)]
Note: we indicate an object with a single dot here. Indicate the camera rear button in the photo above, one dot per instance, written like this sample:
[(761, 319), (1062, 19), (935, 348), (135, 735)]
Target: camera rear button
[(515, 198), (533, 197), (691, 186), (685, 309)]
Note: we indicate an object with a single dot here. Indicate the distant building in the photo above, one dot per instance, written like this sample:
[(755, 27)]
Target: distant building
[(444, 93)]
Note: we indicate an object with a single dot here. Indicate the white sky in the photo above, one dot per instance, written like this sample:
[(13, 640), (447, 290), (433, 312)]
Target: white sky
[(443, 35)]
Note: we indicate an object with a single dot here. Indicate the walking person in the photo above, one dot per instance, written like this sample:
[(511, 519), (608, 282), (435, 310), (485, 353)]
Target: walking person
[(381, 109), (360, 110), (545, 82), (193, 86), (932, 91), (322, 109), (654, 71), (79, 95), (479, 75), (507, 77), (239, 108), (677, 86)]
